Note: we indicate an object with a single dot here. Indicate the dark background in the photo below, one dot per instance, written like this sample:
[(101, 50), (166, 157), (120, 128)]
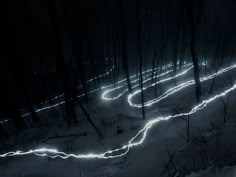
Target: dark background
[(52, 46)]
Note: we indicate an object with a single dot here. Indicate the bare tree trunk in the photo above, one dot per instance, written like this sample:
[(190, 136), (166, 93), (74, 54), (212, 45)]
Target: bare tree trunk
[(196, 67), (140, 54), (124, 45), (158, 64), (175, 47), (188, 129), (182, 48), (153, 65), (225, 105), (88, 117), (220, 64), (56, 16), (189, 9)]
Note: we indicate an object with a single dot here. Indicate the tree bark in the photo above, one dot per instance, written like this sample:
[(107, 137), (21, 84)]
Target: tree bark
[(55, 14), (124, 46), (189, 9), (140, 54), (88, 117)]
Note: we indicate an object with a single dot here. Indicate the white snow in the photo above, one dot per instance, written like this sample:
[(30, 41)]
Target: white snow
[(148, 159)]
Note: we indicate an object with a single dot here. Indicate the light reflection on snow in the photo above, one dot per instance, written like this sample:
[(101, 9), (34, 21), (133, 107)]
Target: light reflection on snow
[(140, 135)]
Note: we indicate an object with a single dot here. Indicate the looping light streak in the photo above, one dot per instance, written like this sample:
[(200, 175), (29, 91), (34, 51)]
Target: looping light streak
[(105, 94), (81, 85), (82, 95), (130, 96), (91, 91), (174, 89), (141, 135), (134, 141)]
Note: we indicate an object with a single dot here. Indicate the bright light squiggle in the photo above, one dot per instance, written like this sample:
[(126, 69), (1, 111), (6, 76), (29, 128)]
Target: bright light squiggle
[(175, 88), (93, 91), (123, 81), (105, 94), (81, 85), (134, 141), (89, 92), (130, 96), (62, 95), (82, 95)]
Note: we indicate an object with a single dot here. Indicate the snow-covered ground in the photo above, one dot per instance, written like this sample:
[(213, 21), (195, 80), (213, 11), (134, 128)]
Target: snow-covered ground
[(216, 172), (164, 151)]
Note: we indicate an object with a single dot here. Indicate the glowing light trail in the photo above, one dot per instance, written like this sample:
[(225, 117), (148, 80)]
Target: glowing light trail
[(174, 89), (90, 92), (134, 141), (81, 85), (141, 135), (136, 75), (146, 79), (62, 95)]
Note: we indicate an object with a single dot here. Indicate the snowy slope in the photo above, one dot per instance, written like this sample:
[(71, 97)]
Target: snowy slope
[(148, 159)]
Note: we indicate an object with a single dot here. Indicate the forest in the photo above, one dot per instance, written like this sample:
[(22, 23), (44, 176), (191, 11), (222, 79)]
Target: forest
[(118, 88)]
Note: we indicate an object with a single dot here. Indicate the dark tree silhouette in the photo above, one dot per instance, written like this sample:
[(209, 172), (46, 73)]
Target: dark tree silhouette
[(189, 10), (140, 55), (124, 45), (56, 15)]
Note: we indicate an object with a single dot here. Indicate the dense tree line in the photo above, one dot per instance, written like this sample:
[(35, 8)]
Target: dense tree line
[(55, 46)]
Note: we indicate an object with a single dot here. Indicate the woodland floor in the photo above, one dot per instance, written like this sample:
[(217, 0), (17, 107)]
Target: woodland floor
[(164, 152)]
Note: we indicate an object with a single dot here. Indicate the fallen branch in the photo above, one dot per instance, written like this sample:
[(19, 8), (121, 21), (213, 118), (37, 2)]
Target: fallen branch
[(65, 136), (89, 118)]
